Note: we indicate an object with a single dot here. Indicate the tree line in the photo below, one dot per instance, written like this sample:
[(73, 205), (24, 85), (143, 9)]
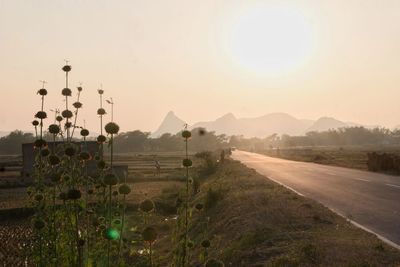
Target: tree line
[(138, 141)]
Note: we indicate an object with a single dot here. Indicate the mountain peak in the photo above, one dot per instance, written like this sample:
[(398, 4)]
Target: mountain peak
[(171, 124), (227, 116)]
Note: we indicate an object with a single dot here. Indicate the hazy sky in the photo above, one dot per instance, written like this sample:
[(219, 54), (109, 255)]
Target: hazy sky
[(203, 59)]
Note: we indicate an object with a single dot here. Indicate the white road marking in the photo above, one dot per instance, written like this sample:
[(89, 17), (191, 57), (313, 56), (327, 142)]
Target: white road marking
[(282, 184), (393, 185)]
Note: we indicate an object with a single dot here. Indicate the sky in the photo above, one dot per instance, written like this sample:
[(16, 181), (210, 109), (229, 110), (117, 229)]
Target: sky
[(202, 59)]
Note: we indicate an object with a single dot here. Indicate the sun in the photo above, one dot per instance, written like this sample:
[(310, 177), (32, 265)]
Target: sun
[(271, 40)]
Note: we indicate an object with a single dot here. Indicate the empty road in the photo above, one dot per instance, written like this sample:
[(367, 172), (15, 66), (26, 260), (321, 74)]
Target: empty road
[(369, 199)]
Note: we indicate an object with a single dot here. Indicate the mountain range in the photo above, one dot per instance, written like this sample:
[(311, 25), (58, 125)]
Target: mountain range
[(279, 123)]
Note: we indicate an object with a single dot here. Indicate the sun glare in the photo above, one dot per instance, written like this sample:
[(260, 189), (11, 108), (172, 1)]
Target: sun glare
[(271, 40)]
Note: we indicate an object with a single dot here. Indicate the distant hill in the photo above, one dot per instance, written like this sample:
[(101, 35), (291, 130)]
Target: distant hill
[(279, 123), (325, 124), (171, 124)]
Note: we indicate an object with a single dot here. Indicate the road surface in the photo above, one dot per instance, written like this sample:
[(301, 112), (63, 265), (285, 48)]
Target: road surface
[(369, 199)]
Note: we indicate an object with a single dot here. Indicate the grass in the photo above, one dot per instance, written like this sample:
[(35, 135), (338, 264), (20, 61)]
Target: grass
[(347, 156), (260, 223)]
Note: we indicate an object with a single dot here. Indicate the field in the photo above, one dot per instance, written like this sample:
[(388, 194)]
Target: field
[(143, 178), (346, 156)]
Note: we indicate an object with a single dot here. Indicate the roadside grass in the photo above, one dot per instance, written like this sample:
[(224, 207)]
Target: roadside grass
[(256, 222), (344, 156)]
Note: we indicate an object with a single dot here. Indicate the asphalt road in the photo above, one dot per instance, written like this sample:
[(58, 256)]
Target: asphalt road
[(369, 199)]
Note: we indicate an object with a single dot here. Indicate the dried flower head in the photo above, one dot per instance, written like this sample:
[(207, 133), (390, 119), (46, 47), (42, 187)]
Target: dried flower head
[(101, 91), (59, 118), (146, 205), (101, 111), (80, 88), (66, 92), (66, 68), (41, 115), (42, 92), (110, 179), (124, 189), (187, 162), (77, 105), (54, 129), (35, 123), (186, 134), (112, 128), (67, 114), (101, 139), (84, 132), (40, 143)]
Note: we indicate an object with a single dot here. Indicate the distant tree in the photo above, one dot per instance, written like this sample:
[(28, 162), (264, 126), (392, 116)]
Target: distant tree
[(11, 144)]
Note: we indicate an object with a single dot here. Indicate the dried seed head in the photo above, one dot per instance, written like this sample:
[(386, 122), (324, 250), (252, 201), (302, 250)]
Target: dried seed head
[(101, 139), (111, 128), (66, 92), (41, 115), (35, 123), (187, 162), (115, 193), (66, 68), (77, 105), (101, 111), (80, 88), (84, 132), (149, 234), (68, 124), (124, 189), (110, 179), (186, 134), (146, 205), (54, 129), (59, 118), (67, 114), (40, 143), (42, 92), (101, 91)]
